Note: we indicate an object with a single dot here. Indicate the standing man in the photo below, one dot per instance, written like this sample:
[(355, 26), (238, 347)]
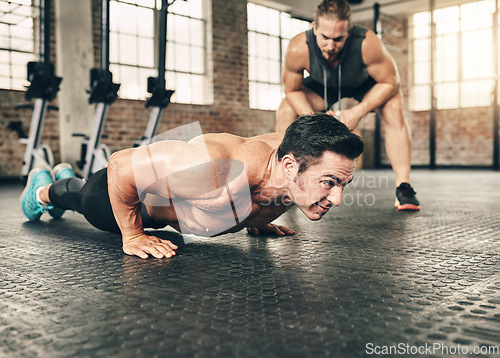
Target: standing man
[(348, 61)]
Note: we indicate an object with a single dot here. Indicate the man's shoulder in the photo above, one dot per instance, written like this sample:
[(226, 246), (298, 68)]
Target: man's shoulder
[(359, 31), (298, 44)]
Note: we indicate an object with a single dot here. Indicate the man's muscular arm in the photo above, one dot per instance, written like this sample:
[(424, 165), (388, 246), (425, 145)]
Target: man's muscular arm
[(382, 67), (126, 206), (296, 61)]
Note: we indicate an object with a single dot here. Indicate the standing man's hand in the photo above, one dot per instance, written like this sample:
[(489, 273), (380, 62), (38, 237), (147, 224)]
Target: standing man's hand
[(350, 117)]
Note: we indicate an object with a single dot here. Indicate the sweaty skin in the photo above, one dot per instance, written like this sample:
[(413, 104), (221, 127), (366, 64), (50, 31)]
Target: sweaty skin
[(190, 185)]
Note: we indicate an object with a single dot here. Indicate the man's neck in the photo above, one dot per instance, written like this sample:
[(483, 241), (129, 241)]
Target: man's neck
[(273, 183)]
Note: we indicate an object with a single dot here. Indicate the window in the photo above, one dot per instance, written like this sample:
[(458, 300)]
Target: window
[(16, 42), (269, 32), (133, 48), (463, 68)]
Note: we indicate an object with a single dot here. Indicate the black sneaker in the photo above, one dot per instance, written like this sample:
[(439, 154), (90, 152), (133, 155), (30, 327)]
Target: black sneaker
[(405, 198)]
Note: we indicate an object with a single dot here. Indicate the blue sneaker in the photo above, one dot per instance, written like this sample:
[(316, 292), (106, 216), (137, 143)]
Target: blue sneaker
[(37, 178), (60, 171)]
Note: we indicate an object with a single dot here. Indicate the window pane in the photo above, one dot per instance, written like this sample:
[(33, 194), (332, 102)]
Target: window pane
[(477, 15), (421, 24), (146, 21), (252, 44), (21, 59), (197, 60), (445, 70), (422, 18), (143, 74), (252, 69), (127, 20), (181, 29), (252, 16), (146, 53), (170, 56), (273, 18), (477, 55), (130, 83), (476, 93), (422, 50), (274, 48), (113, 47), (446, 20), (5, 69), (421, 73), (16, 43), (128, 49), (420, 98), (262, 70), (447, 46), (267, 43), (197, 33), (253, 95), (183, 88), (269, 96), (198, 82), (446, 65), (171, 82), (181, 8), (447, 95), (182, 62), (262, 46)]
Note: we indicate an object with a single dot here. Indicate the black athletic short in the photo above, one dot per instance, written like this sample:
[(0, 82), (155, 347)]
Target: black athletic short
[(91, 199)]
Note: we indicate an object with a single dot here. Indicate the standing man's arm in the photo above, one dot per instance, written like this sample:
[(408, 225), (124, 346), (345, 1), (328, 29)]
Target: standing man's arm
[(296, 61), (382, 67)]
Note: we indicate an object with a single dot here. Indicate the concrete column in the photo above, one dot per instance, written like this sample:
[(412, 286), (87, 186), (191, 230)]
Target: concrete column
[(75, 58)]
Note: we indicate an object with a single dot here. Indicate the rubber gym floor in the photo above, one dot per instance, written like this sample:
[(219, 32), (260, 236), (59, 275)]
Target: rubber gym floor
[(365, 281)]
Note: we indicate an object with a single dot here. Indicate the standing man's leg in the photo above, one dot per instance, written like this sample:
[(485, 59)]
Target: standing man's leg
[(398, 148), (397, 138)]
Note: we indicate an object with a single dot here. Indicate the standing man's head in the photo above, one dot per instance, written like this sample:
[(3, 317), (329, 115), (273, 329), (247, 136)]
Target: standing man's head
[(317, 156), (332, 23)]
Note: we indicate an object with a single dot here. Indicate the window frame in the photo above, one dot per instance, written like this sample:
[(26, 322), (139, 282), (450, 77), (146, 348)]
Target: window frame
[(13, 76), (117, 65), (283, 40)]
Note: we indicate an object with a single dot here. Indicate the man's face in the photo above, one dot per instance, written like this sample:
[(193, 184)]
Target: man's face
[(320, 186), (331, 34)]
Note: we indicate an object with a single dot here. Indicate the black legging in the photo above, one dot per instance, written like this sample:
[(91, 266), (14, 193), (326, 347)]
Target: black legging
[(91, 199)]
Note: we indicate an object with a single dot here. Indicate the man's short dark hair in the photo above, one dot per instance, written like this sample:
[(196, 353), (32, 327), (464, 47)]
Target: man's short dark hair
[(311, 135)]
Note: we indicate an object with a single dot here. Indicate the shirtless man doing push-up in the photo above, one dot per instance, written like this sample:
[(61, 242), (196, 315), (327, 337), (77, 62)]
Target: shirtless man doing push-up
[(213, 184)]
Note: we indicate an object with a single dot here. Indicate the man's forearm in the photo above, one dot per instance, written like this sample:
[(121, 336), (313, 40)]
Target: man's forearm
[(124, 200), (299, 102), (379, 95)]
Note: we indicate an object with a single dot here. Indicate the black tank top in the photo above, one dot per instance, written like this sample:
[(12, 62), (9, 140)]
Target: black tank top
[(352, 70)]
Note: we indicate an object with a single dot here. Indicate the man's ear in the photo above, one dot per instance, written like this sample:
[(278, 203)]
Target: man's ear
[(289, 165)]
